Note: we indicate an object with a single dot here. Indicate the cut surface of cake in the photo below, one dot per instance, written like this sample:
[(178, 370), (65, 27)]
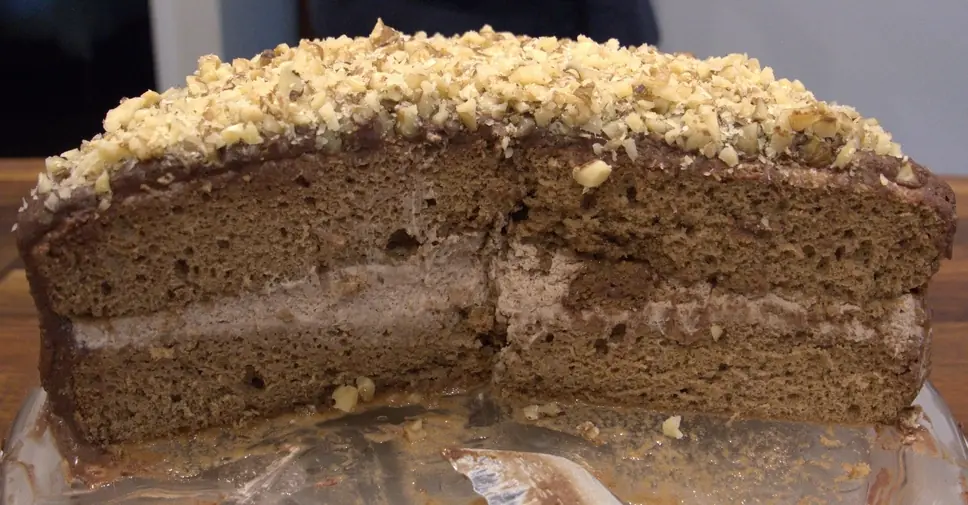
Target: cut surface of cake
[(559, 219)]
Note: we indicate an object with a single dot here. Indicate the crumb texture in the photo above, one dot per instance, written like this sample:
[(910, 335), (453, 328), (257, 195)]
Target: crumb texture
[(699, 348), (422, 323), (274, 221)]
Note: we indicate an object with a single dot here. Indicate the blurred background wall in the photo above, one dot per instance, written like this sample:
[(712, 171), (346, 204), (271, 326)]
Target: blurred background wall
[(903, 62), (64, 64), (185, 29)]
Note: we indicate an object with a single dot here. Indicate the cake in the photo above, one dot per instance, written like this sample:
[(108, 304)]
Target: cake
[(556, 219)]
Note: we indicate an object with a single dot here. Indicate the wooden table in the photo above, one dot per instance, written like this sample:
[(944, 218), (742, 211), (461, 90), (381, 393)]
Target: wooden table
[(19, 340)]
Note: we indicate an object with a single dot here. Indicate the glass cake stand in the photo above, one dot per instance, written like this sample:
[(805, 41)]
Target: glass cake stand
[(393, 452)]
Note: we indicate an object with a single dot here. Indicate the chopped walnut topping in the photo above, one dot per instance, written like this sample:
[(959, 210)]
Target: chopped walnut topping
[(43, 184), (727, 107), (103, 184), (52, 202), (631, 149), (729, 156), (846, 154)]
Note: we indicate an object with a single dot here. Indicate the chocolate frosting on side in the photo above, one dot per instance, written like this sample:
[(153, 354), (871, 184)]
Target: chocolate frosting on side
[(57, 352)]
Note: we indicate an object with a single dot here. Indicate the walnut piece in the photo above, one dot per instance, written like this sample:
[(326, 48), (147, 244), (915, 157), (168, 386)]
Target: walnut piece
[(729, 156), (550, 409), (414, 430), (534, 412), (102, 185), (531, 413), (906, 175), (592, 174), (716, 331), (44, 184), (670, 427), (366, 388), (345, 398), (588, 430)]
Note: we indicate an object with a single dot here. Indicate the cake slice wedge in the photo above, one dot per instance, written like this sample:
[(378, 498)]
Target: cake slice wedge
[(559, 219)]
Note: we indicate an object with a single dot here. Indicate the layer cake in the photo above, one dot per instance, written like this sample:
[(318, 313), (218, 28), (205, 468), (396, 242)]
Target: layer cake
[(559, 219)]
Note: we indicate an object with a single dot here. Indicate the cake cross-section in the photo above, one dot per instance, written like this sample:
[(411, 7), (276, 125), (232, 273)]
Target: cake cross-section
[(553, 218)]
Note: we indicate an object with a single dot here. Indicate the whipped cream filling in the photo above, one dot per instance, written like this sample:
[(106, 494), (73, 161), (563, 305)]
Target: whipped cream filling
[(427, 291), (531, 296), (365, 301)]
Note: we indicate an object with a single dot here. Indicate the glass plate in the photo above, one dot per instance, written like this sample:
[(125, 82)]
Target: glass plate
[(391, 452)]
